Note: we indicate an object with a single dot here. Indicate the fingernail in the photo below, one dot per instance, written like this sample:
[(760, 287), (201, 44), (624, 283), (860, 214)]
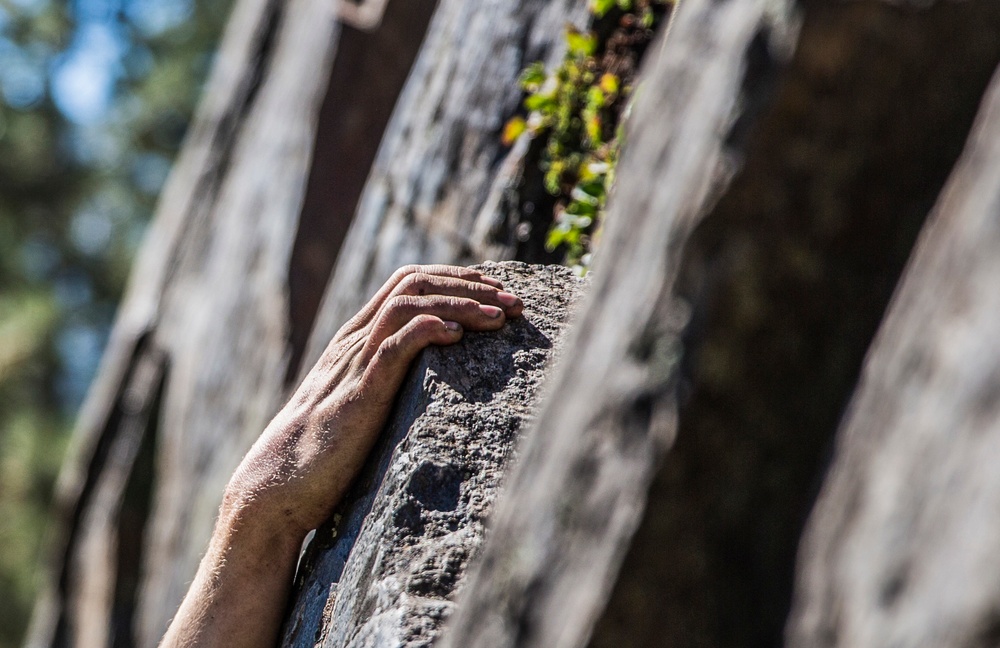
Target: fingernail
[(491, 311), (452, 326), (508, 299)]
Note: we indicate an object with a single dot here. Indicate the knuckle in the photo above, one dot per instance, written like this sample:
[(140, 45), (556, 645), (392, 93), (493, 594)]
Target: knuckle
[(465, 304), (447, 270), (425, 323), (450, 303), (400, 305), (405, 271), (387, 352)]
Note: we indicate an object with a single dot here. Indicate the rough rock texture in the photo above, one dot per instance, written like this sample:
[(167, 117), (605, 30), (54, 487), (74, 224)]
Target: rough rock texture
[(402, 540)]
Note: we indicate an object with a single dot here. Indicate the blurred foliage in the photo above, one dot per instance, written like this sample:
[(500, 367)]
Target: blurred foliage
[(95, 96), (577, 111)]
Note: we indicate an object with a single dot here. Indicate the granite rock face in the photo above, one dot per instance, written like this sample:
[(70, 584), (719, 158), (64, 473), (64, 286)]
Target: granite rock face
[(385, 570)]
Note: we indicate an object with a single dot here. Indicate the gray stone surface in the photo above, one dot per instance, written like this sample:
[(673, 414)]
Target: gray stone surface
[(385, 570)]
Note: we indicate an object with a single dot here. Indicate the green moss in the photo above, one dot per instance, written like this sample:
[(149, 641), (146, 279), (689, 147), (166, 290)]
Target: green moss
[(576, 112)]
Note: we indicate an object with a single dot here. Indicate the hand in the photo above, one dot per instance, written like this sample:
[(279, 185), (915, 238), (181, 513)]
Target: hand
[(302, 464), (305, 460)]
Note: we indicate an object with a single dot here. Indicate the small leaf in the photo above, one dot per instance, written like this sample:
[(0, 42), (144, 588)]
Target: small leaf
[(552, 241), (594, 130), (593, 188), (601, 7), (513, 129), (580, 43), (581, 210), (533, 76), (553, 177), (648, 19), (595, 98), (609, 83), (541, 102)]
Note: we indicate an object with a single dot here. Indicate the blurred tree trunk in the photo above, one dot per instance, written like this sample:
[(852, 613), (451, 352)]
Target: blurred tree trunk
[(788, 275), (901, 548), (215, 324), (199, 354), (170, 413), (765, 207)]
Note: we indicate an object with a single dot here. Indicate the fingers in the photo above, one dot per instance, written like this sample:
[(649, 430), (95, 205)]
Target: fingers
[(393, 356), (390, 288), (400, 310), (420, 283), (448, 297)]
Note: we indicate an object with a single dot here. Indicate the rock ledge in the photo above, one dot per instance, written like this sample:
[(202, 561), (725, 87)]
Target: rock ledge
[(401, 541)]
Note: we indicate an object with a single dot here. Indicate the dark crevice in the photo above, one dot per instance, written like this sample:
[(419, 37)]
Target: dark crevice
[(531, 209), (789, 276), (759, 84), (988, 635), (71, 514), (367, 77), (135, 508)]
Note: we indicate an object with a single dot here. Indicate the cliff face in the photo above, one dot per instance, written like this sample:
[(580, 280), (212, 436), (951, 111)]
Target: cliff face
[(401, 542)]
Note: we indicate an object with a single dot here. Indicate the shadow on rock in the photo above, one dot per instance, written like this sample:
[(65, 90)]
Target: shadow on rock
[(484, 364)]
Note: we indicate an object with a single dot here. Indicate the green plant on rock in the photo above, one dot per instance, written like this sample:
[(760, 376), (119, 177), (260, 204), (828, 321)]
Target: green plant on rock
[(576, 110)]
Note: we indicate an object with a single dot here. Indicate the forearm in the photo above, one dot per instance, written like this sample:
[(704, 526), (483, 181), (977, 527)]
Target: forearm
[(298, 470), (241, 589)]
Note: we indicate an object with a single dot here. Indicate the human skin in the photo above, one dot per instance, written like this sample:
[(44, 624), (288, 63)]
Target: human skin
[(300, 467)]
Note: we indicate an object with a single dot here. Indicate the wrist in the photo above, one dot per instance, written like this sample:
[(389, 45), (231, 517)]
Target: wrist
[(246, 575), (249, 521)]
